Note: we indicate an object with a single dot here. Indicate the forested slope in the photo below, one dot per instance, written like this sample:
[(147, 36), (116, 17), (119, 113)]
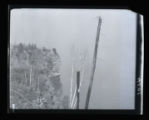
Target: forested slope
[(35, 78)]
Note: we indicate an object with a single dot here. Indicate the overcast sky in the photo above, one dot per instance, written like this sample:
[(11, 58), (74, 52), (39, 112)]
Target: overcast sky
[(73, 31)]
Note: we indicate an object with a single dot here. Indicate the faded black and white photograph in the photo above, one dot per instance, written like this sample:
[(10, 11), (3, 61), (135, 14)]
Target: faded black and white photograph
[(72, 59)]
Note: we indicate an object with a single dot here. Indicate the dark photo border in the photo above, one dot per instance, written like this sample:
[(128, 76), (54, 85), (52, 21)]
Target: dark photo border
[(99, 111), (87, 114)]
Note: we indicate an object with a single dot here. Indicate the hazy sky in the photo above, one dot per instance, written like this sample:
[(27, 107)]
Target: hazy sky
[(72, 32)]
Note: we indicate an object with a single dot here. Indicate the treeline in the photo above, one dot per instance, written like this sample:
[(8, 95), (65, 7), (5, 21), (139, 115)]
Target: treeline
[(35, 78)]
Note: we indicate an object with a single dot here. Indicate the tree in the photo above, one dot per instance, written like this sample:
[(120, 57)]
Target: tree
[(34, 78)]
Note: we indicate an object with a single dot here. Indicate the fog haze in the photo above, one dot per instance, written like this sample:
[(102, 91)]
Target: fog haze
[(70, 30)]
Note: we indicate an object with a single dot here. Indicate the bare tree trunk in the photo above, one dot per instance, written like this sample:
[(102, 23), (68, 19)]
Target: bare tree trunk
[(25, 78), (31, 75), (71, 85), (94, 64), (74, 100), (78, 85)]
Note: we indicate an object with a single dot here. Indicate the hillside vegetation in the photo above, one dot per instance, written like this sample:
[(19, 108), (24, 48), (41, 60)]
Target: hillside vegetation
[(35, 78)]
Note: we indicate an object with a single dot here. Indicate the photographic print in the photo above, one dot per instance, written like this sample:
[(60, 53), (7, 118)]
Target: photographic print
[(72, 59)]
